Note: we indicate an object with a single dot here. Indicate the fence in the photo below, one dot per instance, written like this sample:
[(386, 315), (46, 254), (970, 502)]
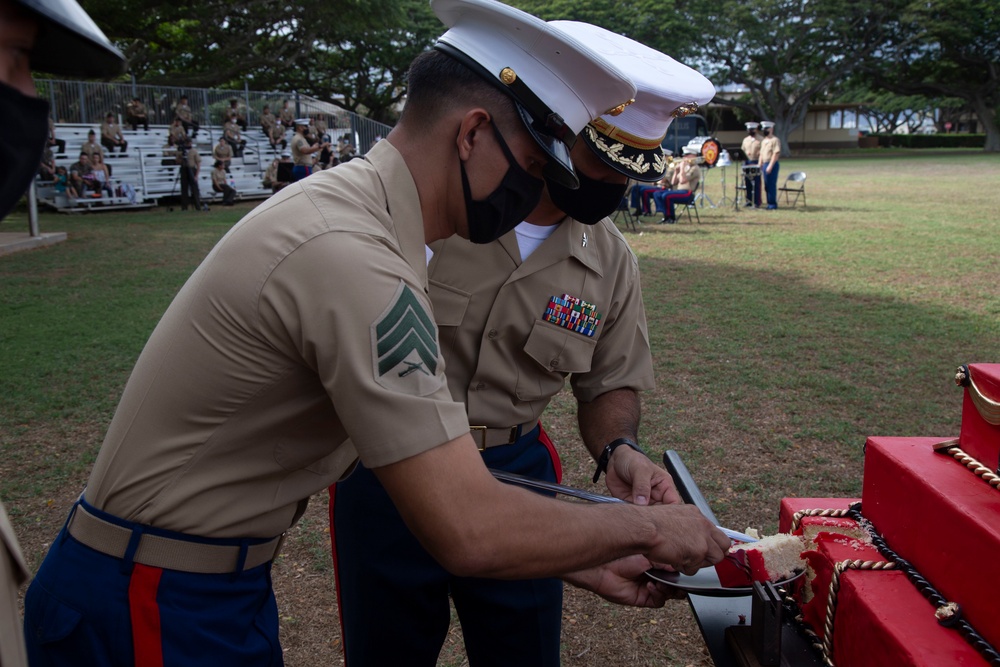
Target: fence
[(88, 102)]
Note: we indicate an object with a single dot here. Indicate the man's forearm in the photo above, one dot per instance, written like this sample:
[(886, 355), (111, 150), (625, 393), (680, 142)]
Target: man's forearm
[(612, 415)]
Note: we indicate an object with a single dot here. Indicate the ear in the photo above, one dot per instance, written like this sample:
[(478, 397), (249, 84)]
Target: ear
[(474, 121)]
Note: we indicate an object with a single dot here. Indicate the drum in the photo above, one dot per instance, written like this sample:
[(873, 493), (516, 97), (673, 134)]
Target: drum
[(709, 147), (751, 171)]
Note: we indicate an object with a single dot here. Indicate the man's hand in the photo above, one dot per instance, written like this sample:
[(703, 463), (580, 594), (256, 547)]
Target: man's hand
[(633, 477), (623, 582)]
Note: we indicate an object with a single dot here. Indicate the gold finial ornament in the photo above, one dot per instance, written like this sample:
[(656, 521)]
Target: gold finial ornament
[(614, 111), (685, 109), (508, 76)]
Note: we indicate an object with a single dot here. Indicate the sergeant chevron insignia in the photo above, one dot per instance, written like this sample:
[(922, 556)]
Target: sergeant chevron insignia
[(404, 343)]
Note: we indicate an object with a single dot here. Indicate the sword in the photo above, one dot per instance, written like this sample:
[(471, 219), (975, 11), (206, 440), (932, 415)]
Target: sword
[(541, 485)]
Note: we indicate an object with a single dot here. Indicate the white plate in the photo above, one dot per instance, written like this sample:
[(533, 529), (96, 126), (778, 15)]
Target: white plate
[(706, 582)]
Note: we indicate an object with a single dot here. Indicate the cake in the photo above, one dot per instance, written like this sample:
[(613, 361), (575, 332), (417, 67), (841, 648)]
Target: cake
[(772, 558), (908, 576)]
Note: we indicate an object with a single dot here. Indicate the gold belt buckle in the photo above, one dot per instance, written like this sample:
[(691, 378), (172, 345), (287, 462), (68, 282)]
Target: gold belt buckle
[(481, 446)]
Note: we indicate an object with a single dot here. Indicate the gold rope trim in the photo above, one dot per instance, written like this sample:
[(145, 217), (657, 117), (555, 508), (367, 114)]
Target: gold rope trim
[(801, 514), (831, 600), (988, 409), (627, 138), (977, 468)]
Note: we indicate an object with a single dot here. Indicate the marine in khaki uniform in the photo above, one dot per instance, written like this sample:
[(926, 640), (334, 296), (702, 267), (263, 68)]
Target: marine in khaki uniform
[(751, 151), (267, 120), (305, 342), (303, 153), (770, 151), (559, 297), (58, 37)]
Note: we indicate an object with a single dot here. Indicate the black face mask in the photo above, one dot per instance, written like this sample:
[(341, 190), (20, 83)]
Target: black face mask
[(507, 206), (594, 201), (22, 139)]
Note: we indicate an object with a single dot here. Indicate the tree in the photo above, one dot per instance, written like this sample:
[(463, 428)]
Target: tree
[(655, 23), (947, 48), (321, 48), (364, 70), (886, 111), (786, 53)]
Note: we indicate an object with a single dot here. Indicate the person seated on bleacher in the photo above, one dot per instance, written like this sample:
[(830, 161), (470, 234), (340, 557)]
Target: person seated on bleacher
[(183, 111), (345, 149), (81, 175), (62, 184), (59, 144), (111, 135), (286, 116), (223, 152), (135, 115), (220, 183), (177, 135), (267, 120), (276, 177), (231, 133), (102, 175), (47, 167), (277, 136), (92, 146), (236, 113)]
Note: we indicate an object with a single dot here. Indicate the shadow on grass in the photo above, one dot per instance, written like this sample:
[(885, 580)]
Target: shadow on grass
[(768, 387)]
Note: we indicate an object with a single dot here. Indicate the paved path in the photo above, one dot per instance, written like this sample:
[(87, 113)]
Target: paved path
[(11, 242)]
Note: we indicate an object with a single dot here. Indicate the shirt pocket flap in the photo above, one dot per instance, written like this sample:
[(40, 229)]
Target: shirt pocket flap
[(559, 350), (449, 302)]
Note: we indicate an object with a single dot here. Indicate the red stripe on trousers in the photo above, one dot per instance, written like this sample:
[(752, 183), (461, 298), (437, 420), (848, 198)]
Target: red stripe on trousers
[(336, 568), (544, 438), (145, 614)]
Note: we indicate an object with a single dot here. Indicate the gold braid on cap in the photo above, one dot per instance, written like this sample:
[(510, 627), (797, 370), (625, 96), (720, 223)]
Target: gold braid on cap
[(614, 151), (684, 110)]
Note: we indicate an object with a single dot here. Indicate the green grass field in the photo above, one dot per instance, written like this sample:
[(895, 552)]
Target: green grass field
[(781, 339)]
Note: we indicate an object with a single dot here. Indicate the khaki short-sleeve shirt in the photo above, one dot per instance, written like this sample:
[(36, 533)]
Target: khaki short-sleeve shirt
[(505, 361), (298, 157), (770, 146), (304, 341), (751, 147)]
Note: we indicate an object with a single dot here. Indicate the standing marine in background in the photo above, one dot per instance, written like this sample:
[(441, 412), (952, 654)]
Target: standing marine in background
[(751, 151), (770, 151)]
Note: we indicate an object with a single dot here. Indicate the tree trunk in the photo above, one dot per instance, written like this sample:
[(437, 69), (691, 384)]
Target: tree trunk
[(987, 117)]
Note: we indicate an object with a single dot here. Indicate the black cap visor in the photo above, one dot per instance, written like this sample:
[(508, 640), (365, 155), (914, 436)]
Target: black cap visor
[(559, 167)]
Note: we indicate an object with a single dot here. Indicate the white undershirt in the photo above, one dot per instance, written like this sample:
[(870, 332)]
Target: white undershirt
[(530, 236)]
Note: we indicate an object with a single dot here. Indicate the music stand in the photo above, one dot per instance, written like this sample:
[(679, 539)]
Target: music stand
[(726, 199), (701, 196)]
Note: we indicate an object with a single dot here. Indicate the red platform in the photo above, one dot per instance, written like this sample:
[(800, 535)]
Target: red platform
[(942, 518), (979, 438)]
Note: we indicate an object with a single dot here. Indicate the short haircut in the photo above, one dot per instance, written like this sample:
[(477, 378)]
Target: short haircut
[(438, 83)]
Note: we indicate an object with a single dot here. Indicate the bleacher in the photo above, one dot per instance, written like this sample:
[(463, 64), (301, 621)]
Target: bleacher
[(150, 168)]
